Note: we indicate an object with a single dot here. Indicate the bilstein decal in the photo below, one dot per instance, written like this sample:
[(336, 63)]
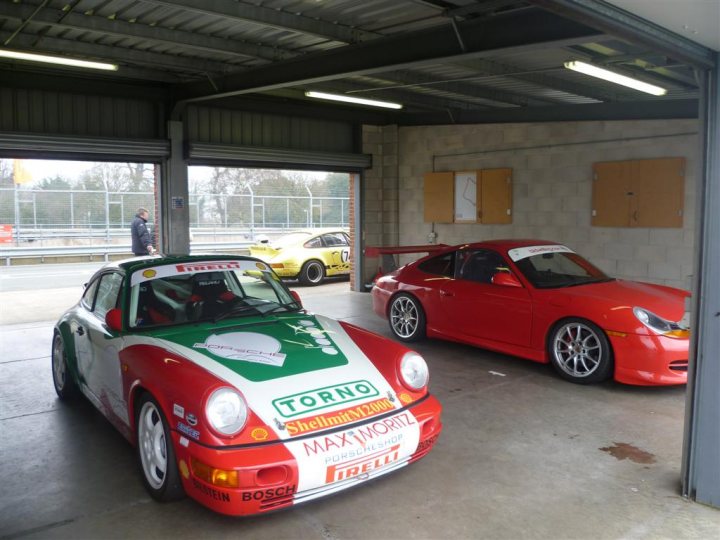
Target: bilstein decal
[(245, 346), (322, 398)]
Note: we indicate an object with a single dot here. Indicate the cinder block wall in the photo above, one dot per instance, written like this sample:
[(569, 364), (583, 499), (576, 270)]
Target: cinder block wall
[(552, 188)]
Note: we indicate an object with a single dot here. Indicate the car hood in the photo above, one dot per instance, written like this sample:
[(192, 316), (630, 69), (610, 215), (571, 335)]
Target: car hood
[(666, 302), (289, 368)]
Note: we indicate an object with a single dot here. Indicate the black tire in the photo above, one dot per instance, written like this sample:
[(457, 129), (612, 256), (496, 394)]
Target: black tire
[(312, 273), (406, 317), (156, 454), (580, 351), (64, 382)]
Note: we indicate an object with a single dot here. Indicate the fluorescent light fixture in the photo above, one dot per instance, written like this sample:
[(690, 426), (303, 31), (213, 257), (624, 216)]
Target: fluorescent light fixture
[(351, 99), (600, 73), (45, 59)]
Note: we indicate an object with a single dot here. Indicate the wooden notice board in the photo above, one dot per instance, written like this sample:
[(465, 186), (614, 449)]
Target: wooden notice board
[(495, 196), (439, 192), (639, 193)]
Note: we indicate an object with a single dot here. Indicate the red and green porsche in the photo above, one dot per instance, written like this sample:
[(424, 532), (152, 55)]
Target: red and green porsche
[(234, 394)]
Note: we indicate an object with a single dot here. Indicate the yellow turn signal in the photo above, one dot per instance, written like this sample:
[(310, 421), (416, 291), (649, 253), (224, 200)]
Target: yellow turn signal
[(211, 475)]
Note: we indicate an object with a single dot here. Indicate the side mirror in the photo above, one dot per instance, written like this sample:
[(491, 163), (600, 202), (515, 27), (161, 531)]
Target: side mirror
[(506, 279), (113, 319), (296, 296)]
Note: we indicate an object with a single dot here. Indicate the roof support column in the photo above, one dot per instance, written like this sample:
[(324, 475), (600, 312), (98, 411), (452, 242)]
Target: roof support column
[(701, 459), (174, 200)]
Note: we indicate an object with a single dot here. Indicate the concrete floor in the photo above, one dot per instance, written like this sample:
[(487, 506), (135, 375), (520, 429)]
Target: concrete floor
[(523, 455)]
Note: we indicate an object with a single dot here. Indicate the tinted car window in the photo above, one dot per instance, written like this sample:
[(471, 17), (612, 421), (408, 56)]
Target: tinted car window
[(334, 239), (314, 243), (107, 295), (444, 265), (480, 265)]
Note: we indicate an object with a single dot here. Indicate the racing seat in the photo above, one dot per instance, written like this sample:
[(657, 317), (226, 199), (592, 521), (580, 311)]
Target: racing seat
[(152, 310), (210, 295)]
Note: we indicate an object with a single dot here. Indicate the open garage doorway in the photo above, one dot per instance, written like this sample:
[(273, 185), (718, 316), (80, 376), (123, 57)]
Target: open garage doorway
[(299, 221), (57, 210)]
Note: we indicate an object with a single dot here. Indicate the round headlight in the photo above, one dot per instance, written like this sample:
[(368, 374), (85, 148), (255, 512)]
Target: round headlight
[(414, 371), (226, 411)]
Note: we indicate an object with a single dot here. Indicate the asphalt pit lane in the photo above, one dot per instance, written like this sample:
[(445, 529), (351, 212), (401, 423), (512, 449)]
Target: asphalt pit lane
[(622, 451)]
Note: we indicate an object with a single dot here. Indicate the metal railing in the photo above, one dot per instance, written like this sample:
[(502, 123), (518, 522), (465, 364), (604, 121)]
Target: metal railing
[(105, 251)]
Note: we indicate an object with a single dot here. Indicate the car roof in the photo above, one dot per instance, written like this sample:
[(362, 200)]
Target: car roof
[(136, 263), (500, 244)]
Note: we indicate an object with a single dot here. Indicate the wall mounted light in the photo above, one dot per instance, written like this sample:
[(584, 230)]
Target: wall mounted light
[(46, 59), (607, 75), (351, 99)]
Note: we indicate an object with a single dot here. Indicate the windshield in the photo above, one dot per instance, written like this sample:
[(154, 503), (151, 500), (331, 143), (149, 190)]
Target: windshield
[(554, 270), (205, 291)]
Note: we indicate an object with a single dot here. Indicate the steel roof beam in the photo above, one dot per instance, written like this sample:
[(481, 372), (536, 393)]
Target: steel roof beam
[(629, 27), (526, 30), (120, 28), (276, 18), (121, 54), (637, 110)]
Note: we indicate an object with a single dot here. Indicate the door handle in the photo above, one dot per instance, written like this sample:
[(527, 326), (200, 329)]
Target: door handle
[(446, 293), (80, 331)]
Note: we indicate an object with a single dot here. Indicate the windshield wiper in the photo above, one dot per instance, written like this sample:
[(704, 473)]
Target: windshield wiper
[(238, 310), (586, 282)]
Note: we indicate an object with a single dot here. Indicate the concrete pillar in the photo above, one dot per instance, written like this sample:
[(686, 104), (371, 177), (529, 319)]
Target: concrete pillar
[(174, 199)]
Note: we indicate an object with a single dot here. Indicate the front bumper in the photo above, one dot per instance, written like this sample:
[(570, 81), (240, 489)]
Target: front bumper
[(270, 476), (649, 360)]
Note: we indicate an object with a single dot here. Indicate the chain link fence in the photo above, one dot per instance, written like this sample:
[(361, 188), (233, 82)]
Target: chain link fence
[(79, 217)]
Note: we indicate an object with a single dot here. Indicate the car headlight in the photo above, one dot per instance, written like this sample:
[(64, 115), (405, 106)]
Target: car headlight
[(226, 411), (414, 371), (659, 325)]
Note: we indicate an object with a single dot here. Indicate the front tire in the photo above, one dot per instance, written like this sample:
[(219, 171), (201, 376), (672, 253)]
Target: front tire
[(65, 385), (156, 453), (312, 273), (580, 352), (407, 318)]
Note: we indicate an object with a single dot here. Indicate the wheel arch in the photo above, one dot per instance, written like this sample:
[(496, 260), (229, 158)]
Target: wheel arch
[(553, 326), (69, 344)]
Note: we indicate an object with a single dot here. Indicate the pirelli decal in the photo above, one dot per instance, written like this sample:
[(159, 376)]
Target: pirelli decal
[(363, 465), (338, 418)]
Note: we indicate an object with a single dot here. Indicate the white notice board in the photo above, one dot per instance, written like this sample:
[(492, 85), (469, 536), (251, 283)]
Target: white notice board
[(466, 196)]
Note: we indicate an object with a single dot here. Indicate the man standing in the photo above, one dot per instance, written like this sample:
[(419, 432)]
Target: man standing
[(141, 241)]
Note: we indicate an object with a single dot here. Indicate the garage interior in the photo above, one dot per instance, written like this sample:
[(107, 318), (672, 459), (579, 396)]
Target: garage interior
[(483, 85)]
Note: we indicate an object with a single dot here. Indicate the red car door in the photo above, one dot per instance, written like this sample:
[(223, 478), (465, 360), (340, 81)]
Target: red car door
[(477, 308)]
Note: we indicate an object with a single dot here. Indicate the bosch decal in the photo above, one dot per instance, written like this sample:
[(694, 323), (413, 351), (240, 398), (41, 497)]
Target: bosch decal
[(268, 494)]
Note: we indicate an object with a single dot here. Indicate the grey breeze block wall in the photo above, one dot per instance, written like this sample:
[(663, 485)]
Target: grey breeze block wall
[(552, 188)]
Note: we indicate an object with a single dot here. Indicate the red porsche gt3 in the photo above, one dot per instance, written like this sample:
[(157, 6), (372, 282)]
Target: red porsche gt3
[(541, 301)]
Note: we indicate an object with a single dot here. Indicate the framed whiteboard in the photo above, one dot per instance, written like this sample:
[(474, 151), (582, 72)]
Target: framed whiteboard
[(466, 196)]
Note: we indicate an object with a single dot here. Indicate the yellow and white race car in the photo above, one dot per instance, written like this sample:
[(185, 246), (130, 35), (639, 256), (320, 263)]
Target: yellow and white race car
[(308, 255)]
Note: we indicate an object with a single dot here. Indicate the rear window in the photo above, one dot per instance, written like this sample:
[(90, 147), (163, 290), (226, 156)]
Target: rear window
[(443, 265)]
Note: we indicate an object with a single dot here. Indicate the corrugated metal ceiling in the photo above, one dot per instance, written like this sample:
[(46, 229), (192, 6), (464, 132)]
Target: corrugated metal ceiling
[(432, 55)]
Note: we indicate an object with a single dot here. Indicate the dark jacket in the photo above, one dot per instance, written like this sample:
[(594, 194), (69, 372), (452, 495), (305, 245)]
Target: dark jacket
[(140, 236)]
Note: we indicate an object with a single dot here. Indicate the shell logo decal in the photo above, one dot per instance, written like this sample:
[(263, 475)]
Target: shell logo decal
[(405, 398), (149, 273), (259, 434)]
